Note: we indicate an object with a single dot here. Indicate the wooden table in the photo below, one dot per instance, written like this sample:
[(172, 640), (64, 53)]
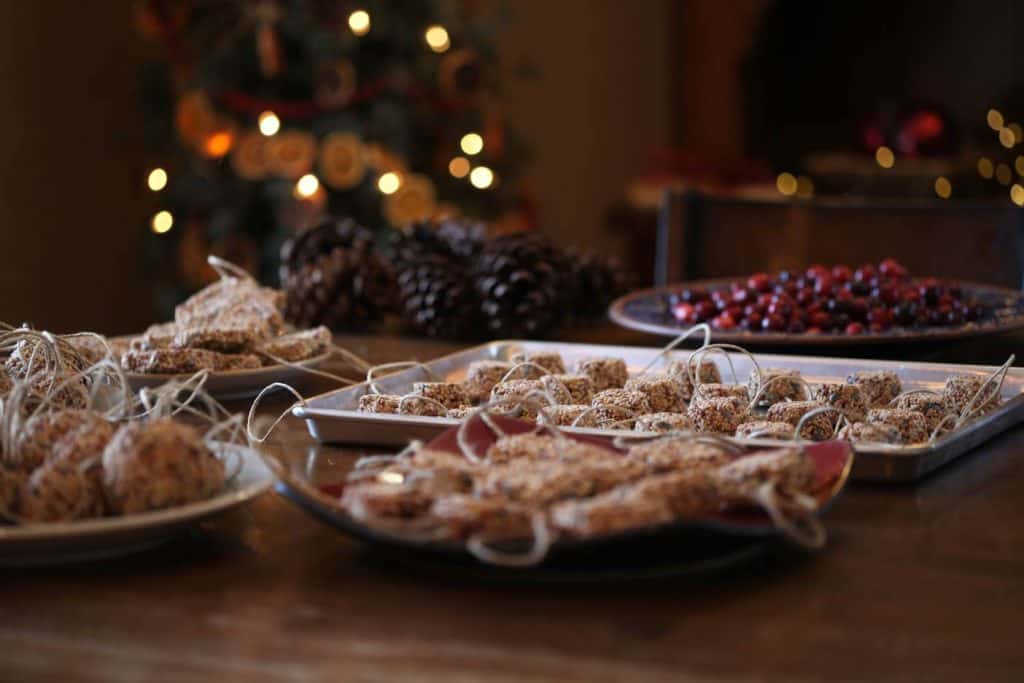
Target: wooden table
[(917, 583)]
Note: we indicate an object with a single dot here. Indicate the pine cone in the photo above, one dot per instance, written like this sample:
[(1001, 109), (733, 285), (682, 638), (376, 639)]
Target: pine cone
[(521, 285), (310, 245), (438, 298), (597, 282), (452, 240), (346, 289)]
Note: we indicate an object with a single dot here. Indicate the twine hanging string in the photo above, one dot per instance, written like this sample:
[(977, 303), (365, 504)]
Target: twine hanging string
[(779, 379), (696, 360), (704, 328)]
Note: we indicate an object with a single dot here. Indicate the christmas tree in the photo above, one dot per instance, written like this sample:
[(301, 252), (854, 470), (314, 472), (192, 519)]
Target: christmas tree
[(264, 116)]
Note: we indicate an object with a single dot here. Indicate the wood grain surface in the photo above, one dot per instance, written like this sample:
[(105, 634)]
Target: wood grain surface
[(918, 582)]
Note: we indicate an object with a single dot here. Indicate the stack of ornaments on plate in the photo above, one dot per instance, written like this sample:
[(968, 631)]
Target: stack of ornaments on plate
[(233, 324), (448, 280)]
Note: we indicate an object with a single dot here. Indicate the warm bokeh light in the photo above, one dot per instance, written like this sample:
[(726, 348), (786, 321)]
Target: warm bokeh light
[(481, 177), (804, 187), (1003, 174), (269, 123), (157, 179), (994, 119), (389, 182), (218, 144), (459, 167), (1017, 195), (437, 38), (472, 143), (1018, 133), (943, 187), (391, 477), (1006, 138), (307, 185), (1019, 165), (786, 182), (359, 22), (885, 157), (985, 167), (162, 222)]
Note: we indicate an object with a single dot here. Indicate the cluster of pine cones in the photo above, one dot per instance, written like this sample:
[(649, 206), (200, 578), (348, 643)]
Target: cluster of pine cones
[(446, 280)]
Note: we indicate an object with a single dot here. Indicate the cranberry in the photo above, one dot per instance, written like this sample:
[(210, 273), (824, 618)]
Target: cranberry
[(946, 300), (835, 305), (813, 330), (892, 267), (844, 295), (823, 285), (858, 308), (742, 296), (840, 320), (683, 312), (773, 322), (724, 322), (782, 308), (735, 311), (877, 327), (759, 282), (854, 328), (752, 309), (815, 307), (955, 317), (887, 293), (842, 274), (705, 310), (820, 319), (881, 316), (765, 299), (784, 276), (752, 321), (859, 288), (910, 294), (816, 271), (864, 273), (796, 327), (805, 296)]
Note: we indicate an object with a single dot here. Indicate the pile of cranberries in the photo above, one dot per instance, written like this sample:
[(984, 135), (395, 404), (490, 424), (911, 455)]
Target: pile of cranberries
[(843, 300)]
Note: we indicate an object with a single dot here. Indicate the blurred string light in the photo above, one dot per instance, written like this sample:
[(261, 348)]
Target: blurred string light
[(437, 38), (1019, 165), (985, 168), (1003, 174), (459, 167), (157, 179), (1006, 137), (481, 177), (1018, 133), (307, 186), (389, 182), (994, 119), (472, 143), (787, 184), (943, 188), (359, 22), (804, 187), (218, 144), (162, 222), (269, 123), (1017, 194), (885, 157)]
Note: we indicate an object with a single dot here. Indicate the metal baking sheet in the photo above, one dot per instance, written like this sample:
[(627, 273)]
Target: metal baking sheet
[(333, 417)]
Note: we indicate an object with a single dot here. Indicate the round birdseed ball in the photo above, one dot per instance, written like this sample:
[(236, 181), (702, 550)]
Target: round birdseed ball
[(776, 384), (42, 431), (662, 422), (664, 393), (604, 373), (846, 398), (524, 395), (57, 492), (159, 464), (878, 386)]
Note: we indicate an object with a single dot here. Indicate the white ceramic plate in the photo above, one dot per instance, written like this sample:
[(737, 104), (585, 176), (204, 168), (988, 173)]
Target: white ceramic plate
[(94, 539), (234, 384)]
